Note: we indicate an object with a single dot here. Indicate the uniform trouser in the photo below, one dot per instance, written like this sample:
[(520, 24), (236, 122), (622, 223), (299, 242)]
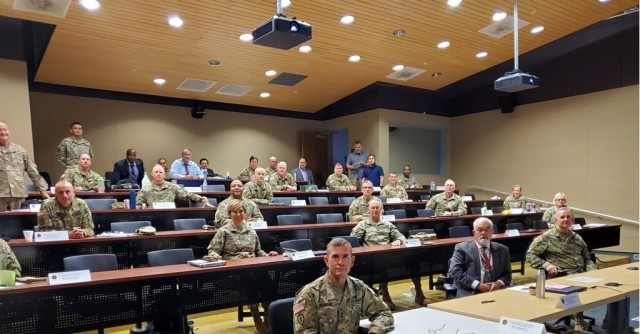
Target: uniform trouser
[(10, 203), (356, 181)]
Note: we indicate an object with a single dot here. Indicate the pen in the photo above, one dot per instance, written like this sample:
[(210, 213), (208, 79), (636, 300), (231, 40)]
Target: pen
[(487, 301)]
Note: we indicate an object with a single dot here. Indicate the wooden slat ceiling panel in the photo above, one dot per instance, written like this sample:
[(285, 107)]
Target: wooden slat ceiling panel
[(127, 43)]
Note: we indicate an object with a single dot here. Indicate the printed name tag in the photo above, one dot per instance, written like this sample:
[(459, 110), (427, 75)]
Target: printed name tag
[(51, 236), (569, 301), (258, 225), (163, 205), (388, 218), (301, 255), (394, 200), (298, 202), (511, 326), (412, 242), (67, 277), (512, 233)]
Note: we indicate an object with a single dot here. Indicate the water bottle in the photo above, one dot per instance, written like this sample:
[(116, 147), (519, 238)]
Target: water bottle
[(100, 184), (295, 177), (540, 283), (204, 185), (145, 180), (132, 199), (483, 210), (432, 186)]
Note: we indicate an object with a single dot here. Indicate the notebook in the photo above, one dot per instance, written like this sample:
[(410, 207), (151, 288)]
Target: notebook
[(564, 289), (207, 264)]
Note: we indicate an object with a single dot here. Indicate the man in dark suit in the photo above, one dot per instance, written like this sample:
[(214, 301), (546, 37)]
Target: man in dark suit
[(480, 265), (130, 168), (302, 173)]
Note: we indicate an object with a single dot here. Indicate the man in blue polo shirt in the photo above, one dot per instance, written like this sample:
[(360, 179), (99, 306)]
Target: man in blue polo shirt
[(373, 172)]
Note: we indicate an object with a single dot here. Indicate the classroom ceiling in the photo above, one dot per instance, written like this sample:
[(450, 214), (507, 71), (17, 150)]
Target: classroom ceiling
[(126, 44)]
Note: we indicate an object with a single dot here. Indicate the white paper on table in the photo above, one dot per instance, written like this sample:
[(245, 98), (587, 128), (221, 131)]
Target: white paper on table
[(585, 279)]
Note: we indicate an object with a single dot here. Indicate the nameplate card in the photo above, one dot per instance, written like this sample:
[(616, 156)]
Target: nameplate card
[(51, 236), (467, 198), (569, 301), (67, 277), (512, 233), (301, 255), (576, 227), (53, 190), (163, 205), (298, 202), (388, 218), (377, 188), (34, 207), (411, 242), (488, 213), (508, 325), (193, 189), (258, 225), (394, 200), (517, 211)]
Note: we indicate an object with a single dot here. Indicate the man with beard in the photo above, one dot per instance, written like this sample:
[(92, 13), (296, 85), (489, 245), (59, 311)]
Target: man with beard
[(252, 211), (480, 265)]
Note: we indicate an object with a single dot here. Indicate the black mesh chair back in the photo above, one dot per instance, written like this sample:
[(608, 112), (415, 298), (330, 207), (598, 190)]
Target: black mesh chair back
[(346, 200), (423, 230), (475, 210), (290, 220), (579, 220), (284, 200), (91, 262), (47, 178), (352, 240), (280, 315), (398, 213), (329, 218), (99, 203), (189, 224), (497, 209), (426, 212), (425, 198), (318, 200), (213, 201), (296, 245), (515, 226), (382, 199), (214, 187), (459, 231), (540, 225), (128, 227), (166, 257)]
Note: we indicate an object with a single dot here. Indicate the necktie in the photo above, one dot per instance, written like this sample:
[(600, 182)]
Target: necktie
[(186, 168), (132, 172), (486, 265)]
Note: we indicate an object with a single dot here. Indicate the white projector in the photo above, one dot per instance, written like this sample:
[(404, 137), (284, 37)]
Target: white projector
[(516, 82), (282, 33)]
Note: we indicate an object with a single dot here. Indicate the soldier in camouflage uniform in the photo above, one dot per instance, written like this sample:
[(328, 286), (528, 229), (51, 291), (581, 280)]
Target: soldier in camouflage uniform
[(335, 302), (281, 180), (80, 176), (252, 212), (393, 189), (339, 181), (359, 208), (249, 171), (561, 249), (258, 190), (515, 200), (160, 190), (15, 161), (8, 260), (408, 181), (560, 201), (65, 212), (373, 231), (71, 147), (238, 241), (448, 203), (272, 169)]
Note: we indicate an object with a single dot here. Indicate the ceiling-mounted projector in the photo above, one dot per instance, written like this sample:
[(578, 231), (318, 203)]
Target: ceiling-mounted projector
[(515, 82), (282, 33)]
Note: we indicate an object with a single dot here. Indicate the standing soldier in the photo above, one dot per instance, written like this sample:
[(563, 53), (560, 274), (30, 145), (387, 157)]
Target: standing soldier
[(71, 147)]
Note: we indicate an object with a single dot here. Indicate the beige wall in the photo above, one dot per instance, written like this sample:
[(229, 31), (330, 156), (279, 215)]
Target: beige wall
[(227, 139), (14, 105)]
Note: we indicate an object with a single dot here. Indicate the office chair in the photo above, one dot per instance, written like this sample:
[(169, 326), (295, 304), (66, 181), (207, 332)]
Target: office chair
[(459, 231), (128, 227), (213, 201), (213, 187), (426, 212), (318, 200), (166, 257), (515, 226), (445, 283), (425, 198), (46, 177), (99, 203), (280, 315), (497, 209), (352, 240), (540, 225), (329, 218), (292, 220), (382, 199), (476, 210), (189, 224), (284, 200), (398, 213), (346, 200), (579, 220)]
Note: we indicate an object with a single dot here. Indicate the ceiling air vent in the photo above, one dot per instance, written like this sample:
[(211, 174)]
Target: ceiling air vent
[(406, 73), (56, 8), (196, 85), (503, 27), (234, 90)]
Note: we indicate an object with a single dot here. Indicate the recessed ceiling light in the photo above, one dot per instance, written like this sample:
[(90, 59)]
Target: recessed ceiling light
[(270, 73), (499, 15), (305, 49), (436, 74), (159, 81), (454, 3), (481, 54), (264, 94), (398, 67), (537, 29), (399, 32), (444, 44), (214, 62), (90, 4), (175, 21), (285, 3), (603, 1), (246, 37), (354, 58), (347, 19)]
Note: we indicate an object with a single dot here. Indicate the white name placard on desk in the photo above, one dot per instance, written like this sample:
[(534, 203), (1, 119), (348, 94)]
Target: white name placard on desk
[(388, 218), (412, 242), (298, 202), (258, 225), (301, 255), (516, 211), (576, 227), (508, 325), (34, 207), (568, 301), (67, 277), (193, 189), (163, 205), (51, 236), (377, 188), (394, 200), (512, 233)]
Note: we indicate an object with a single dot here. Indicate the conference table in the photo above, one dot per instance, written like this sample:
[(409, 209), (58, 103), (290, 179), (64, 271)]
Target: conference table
[(519, 304)]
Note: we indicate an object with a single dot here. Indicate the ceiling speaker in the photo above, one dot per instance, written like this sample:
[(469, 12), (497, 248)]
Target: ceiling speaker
[(198, 112), (507, 103)]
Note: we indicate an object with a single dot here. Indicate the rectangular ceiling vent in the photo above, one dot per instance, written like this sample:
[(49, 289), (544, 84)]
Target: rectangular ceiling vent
[(57, 8), (406, 73), (234, 90), (503, 27), (196, 85)]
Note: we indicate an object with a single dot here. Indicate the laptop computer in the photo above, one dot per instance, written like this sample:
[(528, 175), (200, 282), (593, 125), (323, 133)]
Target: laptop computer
[(564, 289)]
